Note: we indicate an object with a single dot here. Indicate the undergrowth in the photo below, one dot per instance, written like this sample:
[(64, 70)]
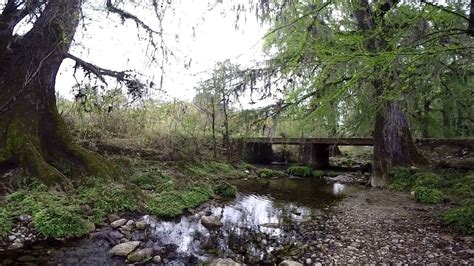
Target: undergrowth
[(147, 189), (430, 188)]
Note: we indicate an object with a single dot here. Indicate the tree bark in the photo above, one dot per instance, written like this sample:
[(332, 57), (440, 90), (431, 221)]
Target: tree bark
[(32, 134)]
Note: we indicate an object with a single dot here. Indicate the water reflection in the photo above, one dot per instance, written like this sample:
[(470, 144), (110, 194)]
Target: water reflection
[(261, 211)]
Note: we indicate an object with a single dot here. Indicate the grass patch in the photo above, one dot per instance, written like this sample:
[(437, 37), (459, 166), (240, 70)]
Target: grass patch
[(317, 173), (225, 189), (461, 218), (5, 221), (302, 171), (172, 203), (60, 221), (269, 173)]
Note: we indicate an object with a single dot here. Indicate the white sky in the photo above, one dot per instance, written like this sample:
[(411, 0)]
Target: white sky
[(109, 44)]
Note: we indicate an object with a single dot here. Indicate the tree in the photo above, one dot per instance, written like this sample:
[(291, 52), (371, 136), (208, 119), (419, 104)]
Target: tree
[(32, 134), (368, 57)]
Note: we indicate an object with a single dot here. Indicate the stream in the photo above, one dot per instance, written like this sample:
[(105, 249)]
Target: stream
[(260, 225)]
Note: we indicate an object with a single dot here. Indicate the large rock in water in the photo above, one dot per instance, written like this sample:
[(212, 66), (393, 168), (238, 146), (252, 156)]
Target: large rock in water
[(290, 263), (124, 249), (211, 222), (141, 255), (224, 262)]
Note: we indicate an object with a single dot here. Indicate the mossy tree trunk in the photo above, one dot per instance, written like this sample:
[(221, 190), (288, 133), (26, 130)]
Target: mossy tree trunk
[(393, 143), (32, 135)]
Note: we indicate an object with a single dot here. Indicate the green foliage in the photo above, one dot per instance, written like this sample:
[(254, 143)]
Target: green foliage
[(402, 178), (428, 180), (60, 221), (303, 171), (148, 180), (428, 195), (269, 173), (318, 173), (5, 221), (111, 198), (172, 203), (461, 218), (225, 189)]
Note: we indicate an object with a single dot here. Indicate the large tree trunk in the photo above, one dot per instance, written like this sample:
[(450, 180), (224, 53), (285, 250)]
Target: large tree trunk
[(32, 135), (393, 144)]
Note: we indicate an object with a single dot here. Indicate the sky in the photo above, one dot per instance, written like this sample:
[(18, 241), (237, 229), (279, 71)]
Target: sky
[(194, 32)]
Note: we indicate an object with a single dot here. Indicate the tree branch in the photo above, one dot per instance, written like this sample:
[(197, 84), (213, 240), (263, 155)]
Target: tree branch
[(448, 10), (99, 72)]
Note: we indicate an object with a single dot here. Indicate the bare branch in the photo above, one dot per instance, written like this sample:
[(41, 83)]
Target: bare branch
[(97, 71), (446, 10)]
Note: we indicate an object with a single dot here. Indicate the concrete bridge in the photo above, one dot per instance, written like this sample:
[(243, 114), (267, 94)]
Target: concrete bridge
[(315, 151)]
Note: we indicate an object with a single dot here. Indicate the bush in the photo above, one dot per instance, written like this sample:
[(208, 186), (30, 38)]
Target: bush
[(461, 218), (402, 178), (60, 222), (303, 171), (428, 180), (225, 189), (318, 173), (269, 173), (428, 195)]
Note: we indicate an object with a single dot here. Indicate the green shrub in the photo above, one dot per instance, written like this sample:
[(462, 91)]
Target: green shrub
[(428, 180), (268, 173), (225, 189), (402, 178), (461, 218), (60, 222), (428, 195), (318, 173), (303, 171), (5, 221)]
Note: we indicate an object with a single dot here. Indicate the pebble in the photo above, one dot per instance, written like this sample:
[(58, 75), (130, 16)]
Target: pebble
[(118, 223)]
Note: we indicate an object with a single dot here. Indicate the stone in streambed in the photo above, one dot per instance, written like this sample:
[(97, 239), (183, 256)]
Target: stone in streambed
[(211, 222), (118, 223), (290, 263), (124, 249), (224, 262), (141, 255)]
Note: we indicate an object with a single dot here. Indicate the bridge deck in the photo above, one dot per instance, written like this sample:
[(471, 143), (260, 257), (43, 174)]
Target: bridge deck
[(352, 141)]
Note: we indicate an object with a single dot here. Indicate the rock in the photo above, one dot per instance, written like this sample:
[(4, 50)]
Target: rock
[(116, 234), (25, 218), (112, 217), (211, 222), (118, 223), (141, 224), (124, 249), (140, 255), (16, 245), (224, 262), (156, 259), (270, 225), (296, 211), (290, 263), (12, 238), (86, 209), (128, 226), (26, 258), (308, 261), (90, 227)]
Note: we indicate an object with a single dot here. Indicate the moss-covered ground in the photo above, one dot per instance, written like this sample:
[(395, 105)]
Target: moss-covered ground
[(147, 187)]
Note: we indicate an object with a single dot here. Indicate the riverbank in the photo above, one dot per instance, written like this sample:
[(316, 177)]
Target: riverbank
[(380, 226)]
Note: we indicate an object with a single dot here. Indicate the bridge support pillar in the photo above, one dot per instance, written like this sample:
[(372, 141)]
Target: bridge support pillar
[(256, 152), (316, 155)]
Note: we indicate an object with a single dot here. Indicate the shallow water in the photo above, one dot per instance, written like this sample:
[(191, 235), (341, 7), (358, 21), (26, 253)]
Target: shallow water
[(259, 223)]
